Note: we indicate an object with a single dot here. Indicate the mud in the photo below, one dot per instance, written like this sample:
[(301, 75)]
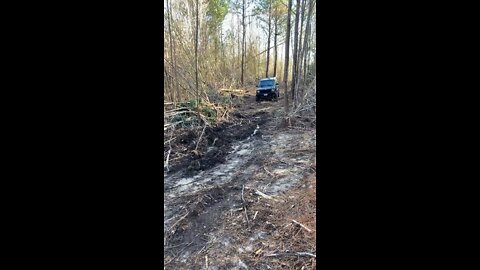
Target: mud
[(203, 190), (217, 141)]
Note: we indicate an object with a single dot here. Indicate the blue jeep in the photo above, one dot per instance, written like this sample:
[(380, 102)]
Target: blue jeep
[(268, 89)]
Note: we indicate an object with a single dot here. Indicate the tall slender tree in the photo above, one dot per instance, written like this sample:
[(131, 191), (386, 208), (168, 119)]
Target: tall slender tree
[(287, 55), (243, 42), (196, 54), (172, 53), (307, 37), (269, 35), (275, 34), (279, 15), (300, 50), (295, 52)]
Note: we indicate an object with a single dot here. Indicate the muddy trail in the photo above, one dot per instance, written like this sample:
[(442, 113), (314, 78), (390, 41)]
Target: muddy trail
[(219, 193)]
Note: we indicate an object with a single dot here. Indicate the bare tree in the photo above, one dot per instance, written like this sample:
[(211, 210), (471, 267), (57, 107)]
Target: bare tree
[(275, 34), (279, 12), (287, 50), (172, 53), (295, 52), (196, 54), (307, 36), (269, 35), (300, 50), (243, 42)]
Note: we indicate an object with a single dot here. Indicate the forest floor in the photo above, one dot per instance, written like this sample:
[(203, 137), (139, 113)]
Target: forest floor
[(244, 197)]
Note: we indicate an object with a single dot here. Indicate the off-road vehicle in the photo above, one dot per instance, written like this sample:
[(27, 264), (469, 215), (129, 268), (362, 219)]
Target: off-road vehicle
[(268, 89)]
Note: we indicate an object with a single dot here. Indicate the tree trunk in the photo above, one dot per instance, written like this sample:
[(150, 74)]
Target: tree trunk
[(301, 51), (269, 35), (280, 68), (243, 42), (196, 54), (295, 52), (172, 54), (259, 65), (307, 37), (287, 50), (239, 42), (275, 33)]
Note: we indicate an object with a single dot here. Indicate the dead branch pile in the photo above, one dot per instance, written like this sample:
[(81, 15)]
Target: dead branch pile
[(185, 117), (205, 113), (304, 114), (307, 103)]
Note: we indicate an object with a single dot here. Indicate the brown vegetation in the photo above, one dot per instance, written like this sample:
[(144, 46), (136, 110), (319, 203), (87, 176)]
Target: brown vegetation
[(220, 210)]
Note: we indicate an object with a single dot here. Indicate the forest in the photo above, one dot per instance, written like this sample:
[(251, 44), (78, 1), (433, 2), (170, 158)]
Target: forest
[(239, 164), (229, 44)]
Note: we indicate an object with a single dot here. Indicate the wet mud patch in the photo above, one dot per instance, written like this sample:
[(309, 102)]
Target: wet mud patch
[(198, 228), (215, 144)]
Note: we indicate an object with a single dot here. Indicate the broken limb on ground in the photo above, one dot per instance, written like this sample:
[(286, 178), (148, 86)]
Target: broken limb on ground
[(242, 194)]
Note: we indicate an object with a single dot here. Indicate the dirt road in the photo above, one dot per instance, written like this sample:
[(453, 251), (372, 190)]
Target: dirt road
[(209, 194)]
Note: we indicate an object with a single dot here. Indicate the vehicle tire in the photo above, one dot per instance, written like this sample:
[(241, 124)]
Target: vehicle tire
[(257, 99)]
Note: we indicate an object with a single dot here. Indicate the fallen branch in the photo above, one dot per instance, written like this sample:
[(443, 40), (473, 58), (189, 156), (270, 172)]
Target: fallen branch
[(265, 195), (201, 250), (200, 138), (169, 140), (301, 254), (268, 172), (178, 221), (170, 114), (168, 157), (179, 109), (245, 206), (301, 225), (232, 90)]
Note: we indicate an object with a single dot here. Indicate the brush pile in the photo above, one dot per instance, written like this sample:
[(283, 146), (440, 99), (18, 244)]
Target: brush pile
[(303, 115), (181, 120)]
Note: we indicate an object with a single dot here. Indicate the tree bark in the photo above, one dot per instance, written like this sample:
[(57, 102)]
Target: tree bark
[(307, 37), (269, 35), (295, 52), (172, 54), (243, 43), (301, 51), (196, 54), (287, 55), (275, 33)]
